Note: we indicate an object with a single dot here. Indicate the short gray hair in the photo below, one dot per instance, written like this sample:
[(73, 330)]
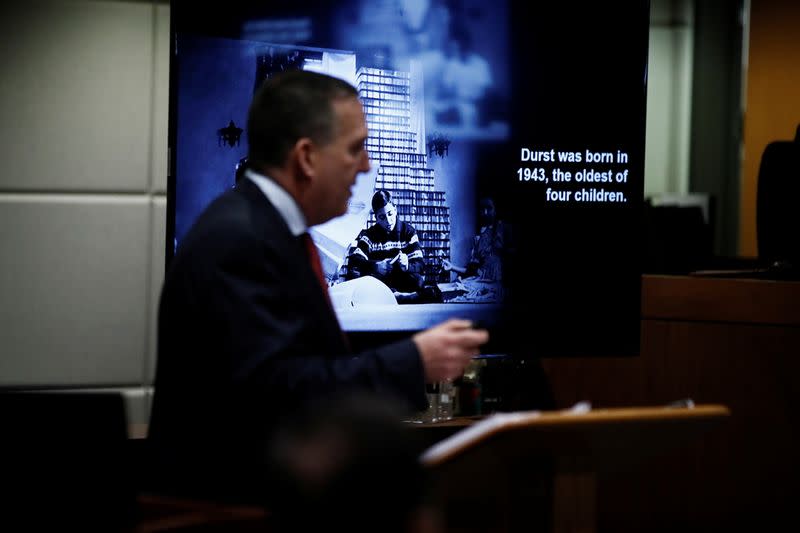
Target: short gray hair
[(289, 106)]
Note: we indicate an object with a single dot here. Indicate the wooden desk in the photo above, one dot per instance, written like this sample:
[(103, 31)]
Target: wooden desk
[(535, 473), (539, 472), (718, 341)]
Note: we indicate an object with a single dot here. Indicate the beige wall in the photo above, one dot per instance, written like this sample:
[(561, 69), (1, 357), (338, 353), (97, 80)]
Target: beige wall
[(83, 104), (772, 109)]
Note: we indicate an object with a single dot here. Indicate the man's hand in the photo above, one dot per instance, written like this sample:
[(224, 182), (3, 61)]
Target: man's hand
[(447, 265), (382, 268), (401, 260), (447, 348)]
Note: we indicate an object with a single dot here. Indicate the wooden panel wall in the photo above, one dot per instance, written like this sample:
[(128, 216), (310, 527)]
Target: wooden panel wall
[(741, 350)]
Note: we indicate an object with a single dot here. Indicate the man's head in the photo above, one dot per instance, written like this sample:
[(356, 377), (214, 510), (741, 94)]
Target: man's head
[(384, 209), (486, 212), (347, 461), (307, 131)]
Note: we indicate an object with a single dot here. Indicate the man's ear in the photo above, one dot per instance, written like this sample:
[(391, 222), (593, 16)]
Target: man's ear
[(305, 154)]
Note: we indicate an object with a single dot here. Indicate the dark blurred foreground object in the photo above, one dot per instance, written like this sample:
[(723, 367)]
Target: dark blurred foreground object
[(777, 215), (349, 465), (65, 461)]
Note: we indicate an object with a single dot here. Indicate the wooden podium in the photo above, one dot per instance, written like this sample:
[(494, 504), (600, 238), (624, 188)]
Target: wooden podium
[(532, 471)]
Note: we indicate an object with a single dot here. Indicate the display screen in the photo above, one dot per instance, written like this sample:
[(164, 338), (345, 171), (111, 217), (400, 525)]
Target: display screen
[(509, 138)]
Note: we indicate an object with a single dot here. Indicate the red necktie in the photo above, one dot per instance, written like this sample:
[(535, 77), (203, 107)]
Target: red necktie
[(316, 266)]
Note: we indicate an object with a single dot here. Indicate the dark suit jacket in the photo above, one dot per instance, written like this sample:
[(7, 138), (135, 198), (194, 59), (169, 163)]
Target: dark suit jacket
[(245, 337)]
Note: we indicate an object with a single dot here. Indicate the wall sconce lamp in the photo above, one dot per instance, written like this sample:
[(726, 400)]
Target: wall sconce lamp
[(230, 135)]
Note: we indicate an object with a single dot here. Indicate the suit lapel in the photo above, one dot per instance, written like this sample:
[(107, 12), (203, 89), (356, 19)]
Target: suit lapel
[(302, 281)]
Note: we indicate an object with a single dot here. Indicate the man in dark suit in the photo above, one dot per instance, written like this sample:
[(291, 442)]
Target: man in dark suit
[(246, 334)]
